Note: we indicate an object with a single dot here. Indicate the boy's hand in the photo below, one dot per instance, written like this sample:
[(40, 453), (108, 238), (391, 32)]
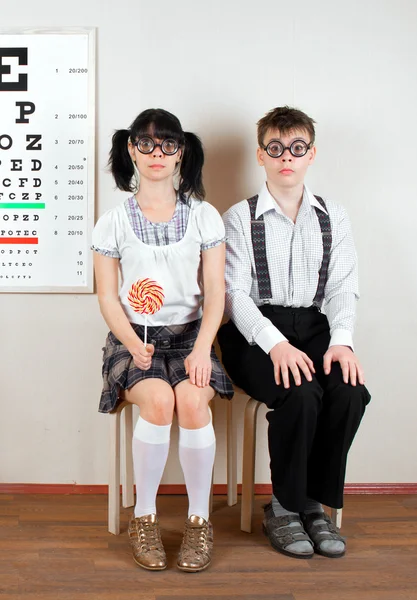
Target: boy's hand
[(142, 355), (351, 367), (284, 357)]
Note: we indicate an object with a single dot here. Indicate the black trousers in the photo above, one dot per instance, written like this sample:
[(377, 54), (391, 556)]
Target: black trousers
[(311, 426)]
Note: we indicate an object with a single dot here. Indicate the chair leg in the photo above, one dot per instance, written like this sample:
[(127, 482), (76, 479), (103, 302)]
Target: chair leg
[(114, 474), (128, 498), (248, 467), (337, 517), (231, 457)]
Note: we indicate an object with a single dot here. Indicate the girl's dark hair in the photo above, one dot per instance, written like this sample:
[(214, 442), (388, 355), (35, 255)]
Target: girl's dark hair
[(161, 124)]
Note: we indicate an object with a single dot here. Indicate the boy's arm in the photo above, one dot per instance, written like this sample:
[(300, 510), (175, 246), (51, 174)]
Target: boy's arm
[(342, 291), (247, 317), (341, 295)]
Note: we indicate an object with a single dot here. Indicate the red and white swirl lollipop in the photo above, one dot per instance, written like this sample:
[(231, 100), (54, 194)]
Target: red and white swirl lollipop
[(146, 297)]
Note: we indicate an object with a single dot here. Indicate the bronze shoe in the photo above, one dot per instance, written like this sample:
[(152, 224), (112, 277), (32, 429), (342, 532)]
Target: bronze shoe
[(197, 545), (145, 539)]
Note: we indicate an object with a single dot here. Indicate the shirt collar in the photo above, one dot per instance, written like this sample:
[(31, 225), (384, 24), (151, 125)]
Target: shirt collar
[(266, 201)]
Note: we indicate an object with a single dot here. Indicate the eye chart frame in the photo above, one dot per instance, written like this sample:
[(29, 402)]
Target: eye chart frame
[(47, 159)]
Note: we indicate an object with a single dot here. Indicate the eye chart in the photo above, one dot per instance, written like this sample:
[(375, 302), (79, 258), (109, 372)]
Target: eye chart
[(47, 125)]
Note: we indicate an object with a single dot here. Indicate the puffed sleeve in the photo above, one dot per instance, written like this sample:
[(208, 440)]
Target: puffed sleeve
[(104, 238), (211, 227)]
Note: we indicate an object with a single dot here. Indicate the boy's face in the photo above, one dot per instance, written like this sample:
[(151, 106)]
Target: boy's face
[(286, 171)]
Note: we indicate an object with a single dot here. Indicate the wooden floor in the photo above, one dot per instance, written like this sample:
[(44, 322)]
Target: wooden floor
[(58, 548)]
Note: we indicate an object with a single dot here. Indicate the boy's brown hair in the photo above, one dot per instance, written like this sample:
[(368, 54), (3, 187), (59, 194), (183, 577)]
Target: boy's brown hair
[(285, 119)]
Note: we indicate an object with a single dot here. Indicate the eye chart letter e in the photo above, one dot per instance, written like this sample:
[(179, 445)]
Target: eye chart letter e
[(47, 140)]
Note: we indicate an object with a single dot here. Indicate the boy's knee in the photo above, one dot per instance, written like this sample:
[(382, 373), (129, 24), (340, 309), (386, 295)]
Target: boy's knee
[(353, 398), (304, 398)]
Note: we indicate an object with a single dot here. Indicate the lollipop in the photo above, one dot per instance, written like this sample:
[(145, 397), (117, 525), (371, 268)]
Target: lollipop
[(146, 297)]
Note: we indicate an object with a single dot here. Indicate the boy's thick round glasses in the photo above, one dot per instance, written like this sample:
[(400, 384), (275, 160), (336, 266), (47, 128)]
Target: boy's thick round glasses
[(297, 148), (146, 145)]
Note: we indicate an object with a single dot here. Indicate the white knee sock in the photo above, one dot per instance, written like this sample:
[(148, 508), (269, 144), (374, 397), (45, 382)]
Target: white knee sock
[(150, 448), (197, 448)]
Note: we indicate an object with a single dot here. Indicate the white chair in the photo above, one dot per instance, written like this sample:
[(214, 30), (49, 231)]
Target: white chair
[(121, 462), (248, 468)]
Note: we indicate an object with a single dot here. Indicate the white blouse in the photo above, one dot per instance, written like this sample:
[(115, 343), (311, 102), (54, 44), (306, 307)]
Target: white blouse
[(176, 267)]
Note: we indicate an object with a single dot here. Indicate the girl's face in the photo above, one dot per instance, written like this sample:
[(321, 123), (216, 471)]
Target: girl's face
[(153, 163)]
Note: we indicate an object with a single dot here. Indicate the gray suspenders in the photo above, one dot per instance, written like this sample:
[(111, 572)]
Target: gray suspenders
[(326, 234), (259, 251)]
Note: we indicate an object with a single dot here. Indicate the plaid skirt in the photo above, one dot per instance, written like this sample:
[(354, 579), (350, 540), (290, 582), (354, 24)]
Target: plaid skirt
[(172, 345)]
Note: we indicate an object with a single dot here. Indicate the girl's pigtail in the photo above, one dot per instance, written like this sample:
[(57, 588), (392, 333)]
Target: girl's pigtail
[(191, 177), (120, 161)]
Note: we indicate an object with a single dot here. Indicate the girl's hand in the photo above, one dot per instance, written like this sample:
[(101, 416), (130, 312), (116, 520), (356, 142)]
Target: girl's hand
[(198, 367), (142, 355)]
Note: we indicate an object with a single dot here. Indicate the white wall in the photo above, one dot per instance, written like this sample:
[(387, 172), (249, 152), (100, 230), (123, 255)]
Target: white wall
[(220, 66)]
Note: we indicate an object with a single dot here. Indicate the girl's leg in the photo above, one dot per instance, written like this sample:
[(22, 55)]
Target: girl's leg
[(197, 446), (151, 436), (150, 447)]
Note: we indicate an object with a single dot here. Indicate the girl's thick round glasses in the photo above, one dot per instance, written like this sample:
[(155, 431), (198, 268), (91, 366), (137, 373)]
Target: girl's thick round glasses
[(297, 148), (146, 145)]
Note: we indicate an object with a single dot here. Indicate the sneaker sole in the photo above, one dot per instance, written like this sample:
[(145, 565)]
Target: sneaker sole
[(286, 552), (149, 568), (193, 570)]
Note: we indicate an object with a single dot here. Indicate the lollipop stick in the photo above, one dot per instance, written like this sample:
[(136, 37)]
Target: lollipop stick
[(146, 328)]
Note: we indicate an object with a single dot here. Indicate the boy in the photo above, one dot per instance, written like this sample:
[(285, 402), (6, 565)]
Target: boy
[(289, 253)]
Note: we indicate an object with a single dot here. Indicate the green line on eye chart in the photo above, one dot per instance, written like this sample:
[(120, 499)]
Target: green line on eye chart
[(21, 205)]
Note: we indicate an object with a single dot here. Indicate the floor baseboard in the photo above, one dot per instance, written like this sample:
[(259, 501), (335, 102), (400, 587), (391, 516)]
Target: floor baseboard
[(179, 489)]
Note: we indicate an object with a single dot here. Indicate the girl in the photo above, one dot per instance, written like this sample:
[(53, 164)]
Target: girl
[(174, 238)]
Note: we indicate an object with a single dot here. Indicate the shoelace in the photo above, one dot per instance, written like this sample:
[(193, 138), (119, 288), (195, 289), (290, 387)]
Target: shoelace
[(149, 536), (195, 537)]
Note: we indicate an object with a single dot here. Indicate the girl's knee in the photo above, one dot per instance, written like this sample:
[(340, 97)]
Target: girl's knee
[(192, 409), (158, 408)]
